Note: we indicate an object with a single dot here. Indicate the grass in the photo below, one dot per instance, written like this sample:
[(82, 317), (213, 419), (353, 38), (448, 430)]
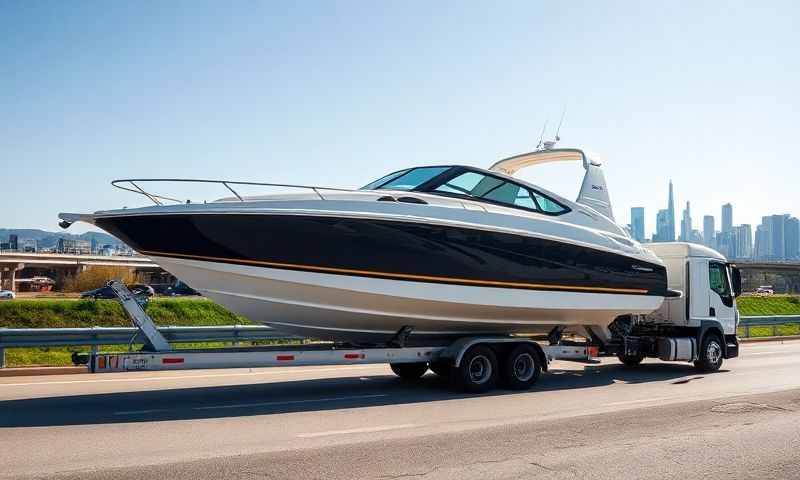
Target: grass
[(772, 305), (62, 313), (58, 313)]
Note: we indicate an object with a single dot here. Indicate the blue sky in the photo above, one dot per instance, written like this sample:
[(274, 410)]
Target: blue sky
[(339, 93)]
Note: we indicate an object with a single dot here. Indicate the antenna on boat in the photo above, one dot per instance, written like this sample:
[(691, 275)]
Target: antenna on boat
[(560, 122), (549, 144), (541, 136)]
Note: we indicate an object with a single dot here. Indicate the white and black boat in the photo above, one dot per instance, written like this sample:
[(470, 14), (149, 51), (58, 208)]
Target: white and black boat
[(444, 250)]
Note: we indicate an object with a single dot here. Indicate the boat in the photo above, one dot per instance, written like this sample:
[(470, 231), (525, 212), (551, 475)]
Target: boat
[(422, 254)]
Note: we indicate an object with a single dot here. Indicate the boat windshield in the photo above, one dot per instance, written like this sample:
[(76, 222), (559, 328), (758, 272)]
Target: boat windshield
[(408, 179), (466, 183)]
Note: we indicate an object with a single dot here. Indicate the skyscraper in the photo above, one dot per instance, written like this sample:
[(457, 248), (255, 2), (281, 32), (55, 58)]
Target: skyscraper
[(671, 216), (727, 218), (686, 225), (792, 238), (761, 247), (744, 241), (708, 231), (662, 227), (637, 223)]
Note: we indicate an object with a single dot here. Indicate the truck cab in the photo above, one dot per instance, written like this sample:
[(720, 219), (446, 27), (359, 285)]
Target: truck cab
[(698, 322)]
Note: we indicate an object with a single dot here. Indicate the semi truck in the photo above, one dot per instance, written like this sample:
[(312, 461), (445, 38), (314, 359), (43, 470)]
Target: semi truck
[(696, 324)]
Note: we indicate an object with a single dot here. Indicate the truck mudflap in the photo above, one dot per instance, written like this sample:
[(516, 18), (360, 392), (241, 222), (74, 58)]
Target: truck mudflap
[(731, 346)]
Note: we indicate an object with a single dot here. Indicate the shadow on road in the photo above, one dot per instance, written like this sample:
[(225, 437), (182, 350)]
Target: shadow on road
[(297, 396)]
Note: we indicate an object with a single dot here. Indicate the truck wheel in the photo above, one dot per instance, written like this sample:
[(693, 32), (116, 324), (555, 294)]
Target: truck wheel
[(630, 360), (409, 371), (521, 368), (710, 354), (477, 371), (441, 368)]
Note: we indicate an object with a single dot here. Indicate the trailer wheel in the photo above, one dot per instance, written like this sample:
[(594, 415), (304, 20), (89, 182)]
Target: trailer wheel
[(521, 368), (710, 354), (409, 371), (477, 371), (441, 368), (630, 360)]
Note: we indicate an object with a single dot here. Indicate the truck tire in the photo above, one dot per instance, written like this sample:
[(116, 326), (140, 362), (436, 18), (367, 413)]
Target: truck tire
[(521, 368), (477, 372), (441, 368), (710, 354), (409, 371), (630, 360)]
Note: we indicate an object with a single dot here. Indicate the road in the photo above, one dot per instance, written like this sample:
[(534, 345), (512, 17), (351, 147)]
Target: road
[(581, 421)]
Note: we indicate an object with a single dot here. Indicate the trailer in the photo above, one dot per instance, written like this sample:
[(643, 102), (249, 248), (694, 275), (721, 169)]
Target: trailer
[(697, 324)]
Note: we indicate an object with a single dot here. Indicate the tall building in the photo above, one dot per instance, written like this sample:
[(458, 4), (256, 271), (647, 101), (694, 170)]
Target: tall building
[(791, 234), (726, 244), (708, 231), (744, 241), (761, 246), (686, 224), (777, 237), (662, 227), (637, 223), (671, 212), (13, 242), (727, 218)]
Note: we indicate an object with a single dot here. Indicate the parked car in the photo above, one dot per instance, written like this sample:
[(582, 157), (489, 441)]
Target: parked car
[(106, 292), (180, 289), (765, 290), (7, 295)]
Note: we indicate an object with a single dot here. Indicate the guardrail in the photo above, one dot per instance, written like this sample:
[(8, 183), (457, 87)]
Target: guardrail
[(95, 336), (773, 321)]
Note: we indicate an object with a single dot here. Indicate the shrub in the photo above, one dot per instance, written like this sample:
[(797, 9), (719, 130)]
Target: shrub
[(96, 277)]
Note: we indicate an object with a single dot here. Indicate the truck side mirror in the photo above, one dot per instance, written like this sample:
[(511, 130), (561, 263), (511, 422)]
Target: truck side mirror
[(737, 281)]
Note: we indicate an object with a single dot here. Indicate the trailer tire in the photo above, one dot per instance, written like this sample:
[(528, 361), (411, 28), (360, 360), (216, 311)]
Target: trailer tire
[(630, 360), (477, 371), (521, 368), (710, 353), (409, 371), (441, 369)]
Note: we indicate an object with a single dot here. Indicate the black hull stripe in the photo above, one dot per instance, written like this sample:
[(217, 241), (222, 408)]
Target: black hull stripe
[(401, 276)]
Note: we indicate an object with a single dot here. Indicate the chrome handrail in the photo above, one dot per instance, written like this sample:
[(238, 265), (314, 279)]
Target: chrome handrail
[(157, 199)]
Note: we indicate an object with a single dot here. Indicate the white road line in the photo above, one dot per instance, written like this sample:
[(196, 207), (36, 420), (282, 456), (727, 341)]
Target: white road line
[(761, 353), (179, 377), (379, 428), (631, 402), (290, 402)]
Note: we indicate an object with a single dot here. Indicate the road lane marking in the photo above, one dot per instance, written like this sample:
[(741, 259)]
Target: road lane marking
[(379, 428), (631, 402), (291, 402), (179, 377)]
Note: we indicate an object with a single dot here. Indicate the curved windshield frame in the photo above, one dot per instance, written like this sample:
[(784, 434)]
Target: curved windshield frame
[(470, 184)]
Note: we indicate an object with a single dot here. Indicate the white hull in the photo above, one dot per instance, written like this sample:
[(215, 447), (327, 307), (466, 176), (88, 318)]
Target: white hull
[(363, 309)]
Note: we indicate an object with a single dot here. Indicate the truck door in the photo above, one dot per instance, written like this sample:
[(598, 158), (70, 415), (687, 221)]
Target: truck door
[(721, 304)]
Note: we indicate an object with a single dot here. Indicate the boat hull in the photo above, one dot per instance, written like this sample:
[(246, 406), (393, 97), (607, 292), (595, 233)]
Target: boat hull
[(356, 279), (371, 310)]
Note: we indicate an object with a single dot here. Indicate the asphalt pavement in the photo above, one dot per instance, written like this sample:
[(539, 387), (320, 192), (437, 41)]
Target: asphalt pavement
[(660, 420)]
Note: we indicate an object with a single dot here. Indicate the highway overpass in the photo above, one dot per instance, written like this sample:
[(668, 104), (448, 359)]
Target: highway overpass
[(60, 265)]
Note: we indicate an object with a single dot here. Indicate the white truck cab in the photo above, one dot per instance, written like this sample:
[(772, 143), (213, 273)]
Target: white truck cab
[(698, 322)]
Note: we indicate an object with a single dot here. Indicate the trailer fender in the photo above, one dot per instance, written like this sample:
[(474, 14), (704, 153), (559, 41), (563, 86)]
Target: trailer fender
[(455, 352)]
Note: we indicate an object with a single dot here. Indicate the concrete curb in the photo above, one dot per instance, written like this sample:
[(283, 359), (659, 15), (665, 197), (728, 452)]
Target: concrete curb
[(768, 339), (33, 371)]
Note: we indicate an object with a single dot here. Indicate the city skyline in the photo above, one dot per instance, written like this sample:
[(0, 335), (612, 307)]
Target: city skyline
[(775, 237)]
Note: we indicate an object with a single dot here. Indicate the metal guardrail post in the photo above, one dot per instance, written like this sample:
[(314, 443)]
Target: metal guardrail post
[(2, 357)]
